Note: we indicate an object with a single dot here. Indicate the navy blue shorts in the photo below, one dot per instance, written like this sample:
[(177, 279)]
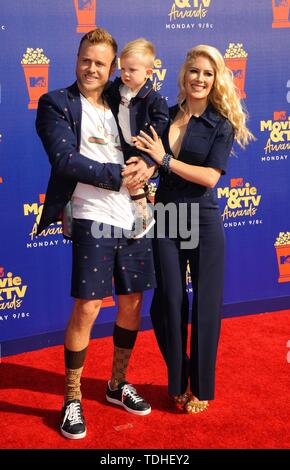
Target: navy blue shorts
[(98, 263)]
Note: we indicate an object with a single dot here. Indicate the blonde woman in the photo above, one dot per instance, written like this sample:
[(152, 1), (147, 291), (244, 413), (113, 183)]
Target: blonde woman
[(192, 155)]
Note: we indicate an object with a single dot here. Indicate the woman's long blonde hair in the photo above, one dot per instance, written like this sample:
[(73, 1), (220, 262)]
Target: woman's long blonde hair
[(224, 95)]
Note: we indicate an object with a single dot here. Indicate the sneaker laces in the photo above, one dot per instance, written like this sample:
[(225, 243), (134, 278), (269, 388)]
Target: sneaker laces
[(73, 414), (130, 391)]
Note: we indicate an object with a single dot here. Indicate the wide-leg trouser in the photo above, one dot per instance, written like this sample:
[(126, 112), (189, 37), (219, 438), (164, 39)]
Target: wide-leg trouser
[(170, 308)]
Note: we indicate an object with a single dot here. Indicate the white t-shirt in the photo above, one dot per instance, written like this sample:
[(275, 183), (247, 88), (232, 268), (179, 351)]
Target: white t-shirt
[(124, 113), (100, 141)]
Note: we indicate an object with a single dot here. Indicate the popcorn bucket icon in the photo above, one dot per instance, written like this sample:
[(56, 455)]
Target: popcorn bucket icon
[(108, 302), (151, 191), (238, 67), (283, 258), (280, 13), (86, 15), (36, 77)]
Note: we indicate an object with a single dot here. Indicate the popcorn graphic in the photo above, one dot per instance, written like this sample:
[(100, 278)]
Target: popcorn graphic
[(283, 239), (34, 57), (282, 246), (152, 188), (86, 15), (280, 10), (35, 66), (236, 60), (235, 51)]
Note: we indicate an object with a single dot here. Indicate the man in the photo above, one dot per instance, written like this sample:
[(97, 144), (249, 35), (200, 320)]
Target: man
[(78, 130)]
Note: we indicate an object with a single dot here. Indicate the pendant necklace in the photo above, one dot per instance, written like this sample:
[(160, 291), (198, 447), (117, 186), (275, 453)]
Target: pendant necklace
[(102, 139), (104, 130)]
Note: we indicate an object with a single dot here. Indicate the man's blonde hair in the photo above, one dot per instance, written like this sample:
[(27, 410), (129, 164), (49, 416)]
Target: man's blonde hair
[(140, 46), (100, 36)]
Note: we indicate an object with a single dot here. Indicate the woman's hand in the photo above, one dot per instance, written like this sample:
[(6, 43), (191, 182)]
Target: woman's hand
[(152, 146)]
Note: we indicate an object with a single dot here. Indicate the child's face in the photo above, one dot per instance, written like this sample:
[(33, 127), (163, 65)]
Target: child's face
[(134, 71)]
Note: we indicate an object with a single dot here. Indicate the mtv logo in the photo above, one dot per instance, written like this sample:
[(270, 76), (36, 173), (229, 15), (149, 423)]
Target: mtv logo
[(1, 271), (285, 259), (279, 116), (37, 82), (85, 4), (237, 182), (238, 73)]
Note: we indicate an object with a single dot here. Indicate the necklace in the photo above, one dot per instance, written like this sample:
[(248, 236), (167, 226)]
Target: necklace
[(104, 137), (100, 117)]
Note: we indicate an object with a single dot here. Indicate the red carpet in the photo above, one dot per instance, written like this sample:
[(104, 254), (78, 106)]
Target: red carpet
[(251, 409)]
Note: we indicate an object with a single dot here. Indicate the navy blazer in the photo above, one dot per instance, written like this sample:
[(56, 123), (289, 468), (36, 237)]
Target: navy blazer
[(147, 108), (58, 124)]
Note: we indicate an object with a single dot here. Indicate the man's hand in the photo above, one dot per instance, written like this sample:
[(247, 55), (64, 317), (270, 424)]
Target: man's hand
[(136, 173)]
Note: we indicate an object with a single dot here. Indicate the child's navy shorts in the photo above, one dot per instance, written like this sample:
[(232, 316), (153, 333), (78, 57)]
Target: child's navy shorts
[(100, 263)]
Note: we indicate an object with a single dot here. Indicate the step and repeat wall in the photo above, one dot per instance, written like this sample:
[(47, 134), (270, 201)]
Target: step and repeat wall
[(38, 44)]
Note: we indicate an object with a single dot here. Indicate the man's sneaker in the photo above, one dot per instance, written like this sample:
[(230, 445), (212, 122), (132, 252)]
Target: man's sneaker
[(73, 424), (126, 396)]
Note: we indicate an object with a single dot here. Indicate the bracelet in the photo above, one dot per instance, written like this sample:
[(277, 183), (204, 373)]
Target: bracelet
[(165, 163)]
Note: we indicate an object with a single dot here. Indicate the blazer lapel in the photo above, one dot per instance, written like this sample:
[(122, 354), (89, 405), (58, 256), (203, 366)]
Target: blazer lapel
[(75, 110)]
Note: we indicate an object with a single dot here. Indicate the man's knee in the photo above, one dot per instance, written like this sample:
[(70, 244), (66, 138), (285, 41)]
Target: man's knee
[(129, 311), (130, 303), (86, 311)]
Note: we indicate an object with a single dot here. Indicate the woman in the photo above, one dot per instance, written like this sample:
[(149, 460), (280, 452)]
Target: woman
[(192, 156)]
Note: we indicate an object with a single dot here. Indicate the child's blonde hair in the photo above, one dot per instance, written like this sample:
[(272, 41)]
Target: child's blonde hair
[(140, 46)]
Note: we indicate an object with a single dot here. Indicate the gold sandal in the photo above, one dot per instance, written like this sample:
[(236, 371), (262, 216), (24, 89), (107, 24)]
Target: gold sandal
[(193, 407)]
